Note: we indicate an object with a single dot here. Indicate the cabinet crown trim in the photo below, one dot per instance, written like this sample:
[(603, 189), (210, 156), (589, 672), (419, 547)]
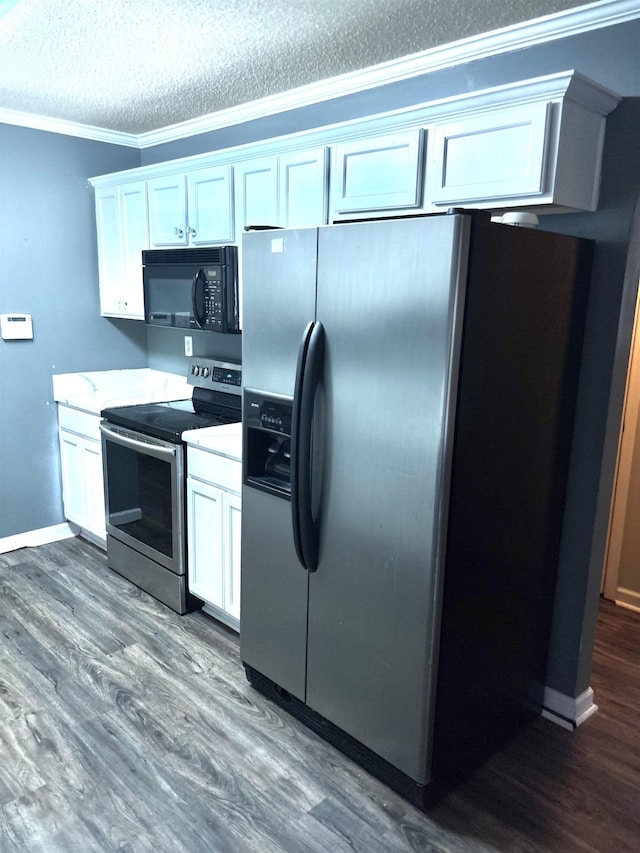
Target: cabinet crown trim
[(551, 87)]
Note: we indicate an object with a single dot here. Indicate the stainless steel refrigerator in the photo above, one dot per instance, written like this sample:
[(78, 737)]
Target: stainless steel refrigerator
[(409, 392)]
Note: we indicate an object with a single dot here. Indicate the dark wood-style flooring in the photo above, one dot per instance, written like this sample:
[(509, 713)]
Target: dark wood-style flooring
[(124, 726)]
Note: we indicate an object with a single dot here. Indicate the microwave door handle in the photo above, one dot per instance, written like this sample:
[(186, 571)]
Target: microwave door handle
[(308, 374), (197, 297)]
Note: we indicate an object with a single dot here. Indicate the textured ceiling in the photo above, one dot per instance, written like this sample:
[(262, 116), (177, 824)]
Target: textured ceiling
[(139, 65)]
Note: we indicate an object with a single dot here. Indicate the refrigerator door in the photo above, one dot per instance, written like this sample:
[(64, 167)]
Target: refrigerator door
[(390, 298), (279, 297)]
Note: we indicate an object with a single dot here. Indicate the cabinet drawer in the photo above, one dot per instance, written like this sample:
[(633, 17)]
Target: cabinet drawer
[(217, 470), (82, 423)]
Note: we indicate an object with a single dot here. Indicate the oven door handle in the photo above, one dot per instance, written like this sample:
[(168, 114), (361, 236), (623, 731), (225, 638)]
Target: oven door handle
[(150, 447)]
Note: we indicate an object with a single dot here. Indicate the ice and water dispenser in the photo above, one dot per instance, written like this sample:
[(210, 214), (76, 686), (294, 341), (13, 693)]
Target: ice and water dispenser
[(267, 442)]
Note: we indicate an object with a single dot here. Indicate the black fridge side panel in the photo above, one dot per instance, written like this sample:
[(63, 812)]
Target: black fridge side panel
[(520, 362)]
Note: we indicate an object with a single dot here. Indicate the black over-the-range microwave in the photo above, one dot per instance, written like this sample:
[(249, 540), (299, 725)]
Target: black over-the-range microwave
[(192, 288)]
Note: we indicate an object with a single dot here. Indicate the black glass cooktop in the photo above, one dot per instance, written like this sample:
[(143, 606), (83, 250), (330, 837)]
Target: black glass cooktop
[(169, 420)]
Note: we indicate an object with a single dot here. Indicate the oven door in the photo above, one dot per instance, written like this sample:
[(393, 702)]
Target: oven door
[(143, 483)]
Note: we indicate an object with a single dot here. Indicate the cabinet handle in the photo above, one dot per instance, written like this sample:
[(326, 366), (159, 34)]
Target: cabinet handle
[(191, 231), (178, 232)]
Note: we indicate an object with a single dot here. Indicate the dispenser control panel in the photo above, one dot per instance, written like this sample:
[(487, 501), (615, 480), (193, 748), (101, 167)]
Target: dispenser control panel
[(266, 426)]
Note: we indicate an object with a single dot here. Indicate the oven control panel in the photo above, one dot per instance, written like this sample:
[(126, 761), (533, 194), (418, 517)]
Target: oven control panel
[(218, 375)]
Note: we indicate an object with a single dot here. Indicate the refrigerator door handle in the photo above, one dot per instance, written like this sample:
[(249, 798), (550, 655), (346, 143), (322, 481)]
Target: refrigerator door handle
[(308, 373)]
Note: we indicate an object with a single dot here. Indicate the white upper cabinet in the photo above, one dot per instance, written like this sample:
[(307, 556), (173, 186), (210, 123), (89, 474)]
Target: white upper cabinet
[(496, 155), (109, 248), (381, 173), (303, 188), (134, 232), (209, 206), (192, 209), (256, 193), (122, 231), (289, 191), (168, 211), (535, 144)]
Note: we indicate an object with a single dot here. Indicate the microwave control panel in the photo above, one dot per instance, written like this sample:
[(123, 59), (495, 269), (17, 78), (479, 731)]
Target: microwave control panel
[(213, 299)]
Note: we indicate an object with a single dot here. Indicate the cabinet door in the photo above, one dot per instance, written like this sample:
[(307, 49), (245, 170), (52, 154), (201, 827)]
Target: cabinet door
[(168, 211), (134, 235), (71, 463), (94, 508), (383, 173), (109, 250), (204, 542), (497, 155), (256, 193), (210, 203), (231, 516), (82, 483), (303, 189)]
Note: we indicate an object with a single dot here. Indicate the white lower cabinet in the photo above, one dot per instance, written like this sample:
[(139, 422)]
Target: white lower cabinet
[(213, 533), (81, 469)]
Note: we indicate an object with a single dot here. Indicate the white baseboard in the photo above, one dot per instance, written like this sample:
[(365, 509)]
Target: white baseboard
[(32, 538), (568, 711), (628, 598)]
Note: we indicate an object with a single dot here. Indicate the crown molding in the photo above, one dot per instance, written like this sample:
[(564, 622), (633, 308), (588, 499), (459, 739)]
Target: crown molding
[(571, 22), (68, 128), (565, 85)]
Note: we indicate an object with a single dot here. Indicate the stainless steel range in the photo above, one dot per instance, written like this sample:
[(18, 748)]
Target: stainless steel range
[(144, 479)]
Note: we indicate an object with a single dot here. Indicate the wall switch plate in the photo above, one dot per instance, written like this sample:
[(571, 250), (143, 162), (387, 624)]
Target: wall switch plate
[(16, 327), (188, 345)]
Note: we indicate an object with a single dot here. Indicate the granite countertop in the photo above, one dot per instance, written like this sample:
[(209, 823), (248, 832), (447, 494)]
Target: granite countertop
[(224, 440), (93, 391)]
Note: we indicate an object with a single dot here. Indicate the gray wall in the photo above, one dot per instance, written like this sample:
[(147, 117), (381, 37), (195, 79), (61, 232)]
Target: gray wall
[(595, 441), (610, 57), (607, 56), (166, 347), (48, 268)]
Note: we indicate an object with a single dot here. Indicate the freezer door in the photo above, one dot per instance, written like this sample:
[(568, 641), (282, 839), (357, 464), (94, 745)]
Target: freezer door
[(278, 300), (279, 296), (390, 300)]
